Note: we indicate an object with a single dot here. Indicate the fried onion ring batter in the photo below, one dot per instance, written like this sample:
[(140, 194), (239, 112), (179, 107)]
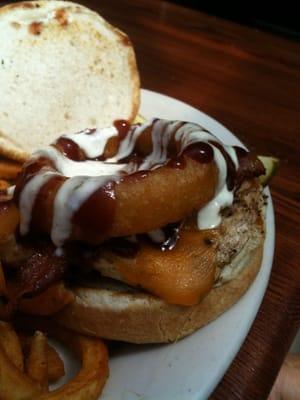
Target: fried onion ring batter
[(123, 180)]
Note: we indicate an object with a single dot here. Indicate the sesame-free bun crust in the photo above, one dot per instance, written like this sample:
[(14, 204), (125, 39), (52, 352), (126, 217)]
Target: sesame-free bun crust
[(119, 314), (63, 68)]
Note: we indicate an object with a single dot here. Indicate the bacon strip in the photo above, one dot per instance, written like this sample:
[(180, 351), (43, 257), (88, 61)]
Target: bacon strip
[(40, 271), (249, 167)]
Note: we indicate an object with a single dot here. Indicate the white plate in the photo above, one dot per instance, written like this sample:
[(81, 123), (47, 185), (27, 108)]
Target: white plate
[(191, 368)]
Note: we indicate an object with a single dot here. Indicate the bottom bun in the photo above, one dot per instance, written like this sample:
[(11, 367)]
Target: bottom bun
[(119, 313)]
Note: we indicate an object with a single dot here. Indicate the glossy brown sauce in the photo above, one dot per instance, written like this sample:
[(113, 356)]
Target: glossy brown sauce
[(172, 235), (122, 126), (96, 214), (127, 248), (240, 152), (70, 149), (43, 201), (231, 172), (201, 152), (29, 170)]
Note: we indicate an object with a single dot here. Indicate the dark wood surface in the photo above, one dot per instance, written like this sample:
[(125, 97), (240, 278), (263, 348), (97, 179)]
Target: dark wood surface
[(250, 82)]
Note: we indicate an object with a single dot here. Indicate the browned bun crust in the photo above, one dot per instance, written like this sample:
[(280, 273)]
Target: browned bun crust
[(142, 318), (53, 44)]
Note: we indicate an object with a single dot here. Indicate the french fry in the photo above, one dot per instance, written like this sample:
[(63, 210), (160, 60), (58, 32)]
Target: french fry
[(89, 382), (36, 363), (11, 345), (13, 383), (49, 302), (9, 169), (56, 369), (3, 184), (6, 310), (9, 216)]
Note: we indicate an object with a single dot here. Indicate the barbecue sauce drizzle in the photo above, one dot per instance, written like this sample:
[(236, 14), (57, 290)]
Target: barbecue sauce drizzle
[(96, 213)]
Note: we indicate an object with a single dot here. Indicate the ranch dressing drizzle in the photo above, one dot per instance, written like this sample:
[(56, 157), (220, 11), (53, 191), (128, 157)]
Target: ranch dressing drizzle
[(127, 145), (28, 196), (93, 141), (161, 136), (86, 177), (69, 198), (209, 216), (70, 168)]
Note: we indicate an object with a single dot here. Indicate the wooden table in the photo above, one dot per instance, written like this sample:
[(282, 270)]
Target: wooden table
[(250, 82)]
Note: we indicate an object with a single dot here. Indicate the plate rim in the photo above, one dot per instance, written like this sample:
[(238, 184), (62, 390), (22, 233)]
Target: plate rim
[(268, 256)]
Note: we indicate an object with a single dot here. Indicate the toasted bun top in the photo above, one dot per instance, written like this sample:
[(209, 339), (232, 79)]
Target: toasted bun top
[(62, 68)]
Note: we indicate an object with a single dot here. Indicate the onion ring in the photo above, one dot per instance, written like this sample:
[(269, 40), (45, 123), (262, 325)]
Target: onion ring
[(95, 185), (133, 196)]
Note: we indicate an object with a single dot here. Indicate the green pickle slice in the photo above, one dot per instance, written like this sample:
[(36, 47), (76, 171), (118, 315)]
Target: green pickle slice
[(271, 165)]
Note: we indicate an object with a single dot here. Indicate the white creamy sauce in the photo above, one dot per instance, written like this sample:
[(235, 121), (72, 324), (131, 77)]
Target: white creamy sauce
[(85, 177), (222, 168), (161, 136), (69, 198), (209, 216), (70, 168), (28, 196), (127, 145)]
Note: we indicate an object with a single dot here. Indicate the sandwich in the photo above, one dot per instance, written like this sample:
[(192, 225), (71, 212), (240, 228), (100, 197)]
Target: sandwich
[(156, 228), (164, 283), (140, 232)]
